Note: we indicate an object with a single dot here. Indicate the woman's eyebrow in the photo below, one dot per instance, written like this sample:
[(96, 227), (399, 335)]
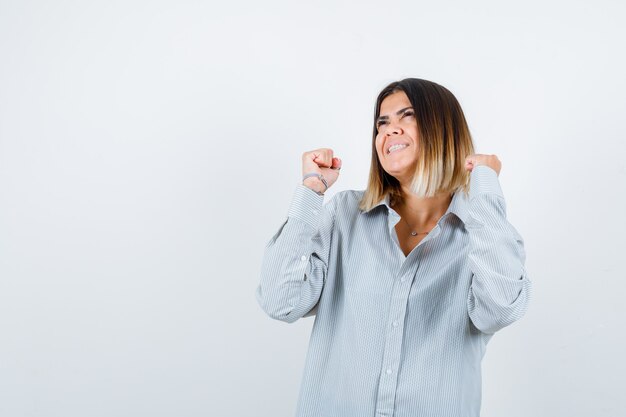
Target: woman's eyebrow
[(397, 113)]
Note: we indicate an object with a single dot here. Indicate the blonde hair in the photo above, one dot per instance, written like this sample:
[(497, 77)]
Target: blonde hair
[(445, 142)]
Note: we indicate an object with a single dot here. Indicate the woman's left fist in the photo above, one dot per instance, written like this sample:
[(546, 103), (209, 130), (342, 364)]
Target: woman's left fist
[(491, 161)]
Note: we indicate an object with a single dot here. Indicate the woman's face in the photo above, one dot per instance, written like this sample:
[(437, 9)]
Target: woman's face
[(397, 126)]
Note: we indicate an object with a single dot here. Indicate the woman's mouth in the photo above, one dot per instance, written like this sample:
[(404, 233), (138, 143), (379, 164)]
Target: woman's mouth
[(396, 148)]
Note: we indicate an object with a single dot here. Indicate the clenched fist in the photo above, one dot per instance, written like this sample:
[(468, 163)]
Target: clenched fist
[(320, 161), (491, 161)]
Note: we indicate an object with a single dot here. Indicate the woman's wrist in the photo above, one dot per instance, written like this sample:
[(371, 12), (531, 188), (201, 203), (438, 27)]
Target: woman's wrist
[(315, 184)]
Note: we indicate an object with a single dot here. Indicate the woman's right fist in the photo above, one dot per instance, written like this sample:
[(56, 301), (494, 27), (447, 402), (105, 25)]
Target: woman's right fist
[(320, 161)]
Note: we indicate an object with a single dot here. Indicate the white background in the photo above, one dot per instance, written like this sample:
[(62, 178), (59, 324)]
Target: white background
[(149, 150)]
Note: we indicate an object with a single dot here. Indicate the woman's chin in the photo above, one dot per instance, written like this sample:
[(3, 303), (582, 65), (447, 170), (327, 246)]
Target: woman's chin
[(398, 168)]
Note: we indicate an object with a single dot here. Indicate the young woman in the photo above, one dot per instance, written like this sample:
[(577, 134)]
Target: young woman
[(407, 279)]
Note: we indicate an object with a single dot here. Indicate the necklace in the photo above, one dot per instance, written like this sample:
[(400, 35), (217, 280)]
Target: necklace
[(414, 233)]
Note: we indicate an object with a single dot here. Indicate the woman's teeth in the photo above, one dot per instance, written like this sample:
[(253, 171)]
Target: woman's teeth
[(396, 147)]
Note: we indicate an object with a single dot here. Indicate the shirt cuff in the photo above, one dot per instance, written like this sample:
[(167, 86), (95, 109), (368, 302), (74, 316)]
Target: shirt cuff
[(484, 180), (306, 205)]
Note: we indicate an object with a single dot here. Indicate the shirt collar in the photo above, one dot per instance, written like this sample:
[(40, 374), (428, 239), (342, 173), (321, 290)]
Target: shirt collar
[(458, 205)]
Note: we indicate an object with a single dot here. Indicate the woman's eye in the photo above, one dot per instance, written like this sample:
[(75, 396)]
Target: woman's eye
[(382, 122)]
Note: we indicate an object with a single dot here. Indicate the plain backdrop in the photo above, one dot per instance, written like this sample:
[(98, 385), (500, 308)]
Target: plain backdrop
[(150, 149)]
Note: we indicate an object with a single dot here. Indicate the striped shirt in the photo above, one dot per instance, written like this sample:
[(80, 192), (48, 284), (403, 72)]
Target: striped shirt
[(395, 335)]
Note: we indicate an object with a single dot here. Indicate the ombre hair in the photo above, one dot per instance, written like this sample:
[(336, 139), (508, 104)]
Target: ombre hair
[(444, 143)]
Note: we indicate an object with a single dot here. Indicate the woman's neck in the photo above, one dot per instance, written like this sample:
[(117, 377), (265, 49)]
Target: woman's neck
[(422, 211)]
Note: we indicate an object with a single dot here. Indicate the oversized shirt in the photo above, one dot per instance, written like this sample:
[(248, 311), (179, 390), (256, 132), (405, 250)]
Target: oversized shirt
[(395, 335)]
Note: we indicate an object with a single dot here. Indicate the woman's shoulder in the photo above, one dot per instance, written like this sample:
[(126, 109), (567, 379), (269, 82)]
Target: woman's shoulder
[(351, 194), (347, 202)]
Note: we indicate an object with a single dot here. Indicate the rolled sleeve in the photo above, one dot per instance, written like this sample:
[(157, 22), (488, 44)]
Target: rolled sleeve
[(306, 206), (295, 263), (500, 290)]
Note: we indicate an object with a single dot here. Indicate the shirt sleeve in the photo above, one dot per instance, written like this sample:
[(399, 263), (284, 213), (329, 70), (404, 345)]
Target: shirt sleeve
[(295, 261), (500, 290)]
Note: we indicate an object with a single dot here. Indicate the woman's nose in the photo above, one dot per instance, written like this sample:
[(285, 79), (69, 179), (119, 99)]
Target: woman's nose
[(393, 128)]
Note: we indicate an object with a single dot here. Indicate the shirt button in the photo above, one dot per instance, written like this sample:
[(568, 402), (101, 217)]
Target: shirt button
[(395, 324), (402, 279), (303, 258), (314, 211), (389, 371)]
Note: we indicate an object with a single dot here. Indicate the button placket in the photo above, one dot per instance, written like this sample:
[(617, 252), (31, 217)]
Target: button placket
[(393, 347), (394, 338)]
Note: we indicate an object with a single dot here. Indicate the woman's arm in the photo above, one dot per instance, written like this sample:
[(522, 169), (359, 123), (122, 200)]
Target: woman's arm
[(295, 262), (500, 288)]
